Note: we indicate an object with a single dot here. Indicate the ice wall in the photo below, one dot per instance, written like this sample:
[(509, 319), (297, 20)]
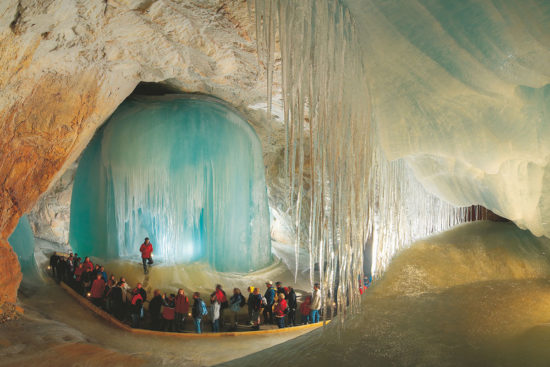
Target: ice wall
[(186, 172), (344, 193), (461, 91), (22, 242)]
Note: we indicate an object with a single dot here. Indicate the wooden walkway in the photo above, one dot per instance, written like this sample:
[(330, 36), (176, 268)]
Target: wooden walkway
[(115, 322)]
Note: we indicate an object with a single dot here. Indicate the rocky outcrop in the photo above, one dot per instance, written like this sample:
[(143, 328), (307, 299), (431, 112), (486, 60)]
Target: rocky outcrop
[(50, 217), (67, 64)]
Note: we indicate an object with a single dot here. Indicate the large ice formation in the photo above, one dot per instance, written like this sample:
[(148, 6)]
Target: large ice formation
[(343, 190), (461, 91), (453, 95), (22, 242), (186, 172)]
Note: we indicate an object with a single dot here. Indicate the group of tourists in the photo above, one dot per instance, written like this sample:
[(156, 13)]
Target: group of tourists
[(277, 305)]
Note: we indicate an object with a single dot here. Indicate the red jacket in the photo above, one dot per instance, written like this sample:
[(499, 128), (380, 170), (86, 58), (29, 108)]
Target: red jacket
[(220, 296), (146, 250), (182, 304), (280, 308), (168, 313), (88, 265), (98, 288), (78, 273), (304, 308), (136, 298)]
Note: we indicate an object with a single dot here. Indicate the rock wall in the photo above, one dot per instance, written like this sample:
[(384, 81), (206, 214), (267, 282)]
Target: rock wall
[(50, 217), (67, 64)]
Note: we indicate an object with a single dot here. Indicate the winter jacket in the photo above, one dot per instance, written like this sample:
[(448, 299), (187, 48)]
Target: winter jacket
[(143, 293), (126, 293), (116, 295), (250, 301), (146, 250), (88, 265), (87, 278), (98, 288), (236, 301), (169, 311), (155, 306), (196, 311), (270, 296), (182, 304), (315, 300), (78, 273), (220, 297), (215, 310), (304, 308), (256, 302), (136, 303), (291, 300), (280, 307)]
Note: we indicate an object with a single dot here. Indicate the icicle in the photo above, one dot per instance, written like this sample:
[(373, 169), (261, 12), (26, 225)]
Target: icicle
[(354, 196)]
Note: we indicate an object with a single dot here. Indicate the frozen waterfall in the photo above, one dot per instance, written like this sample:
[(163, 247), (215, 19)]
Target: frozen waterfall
[(186, 172)]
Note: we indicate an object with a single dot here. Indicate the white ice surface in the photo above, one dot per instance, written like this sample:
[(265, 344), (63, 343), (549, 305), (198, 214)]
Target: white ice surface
[(461, 91)]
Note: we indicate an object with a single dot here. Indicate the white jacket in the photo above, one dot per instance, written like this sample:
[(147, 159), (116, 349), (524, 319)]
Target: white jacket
[(315, 300), (215, 311)]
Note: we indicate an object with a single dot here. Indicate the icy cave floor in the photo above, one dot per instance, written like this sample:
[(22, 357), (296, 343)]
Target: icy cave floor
[(478, 295), (57, 330)]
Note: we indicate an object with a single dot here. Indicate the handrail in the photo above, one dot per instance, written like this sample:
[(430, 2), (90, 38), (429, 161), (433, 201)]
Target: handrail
[(115, 322)]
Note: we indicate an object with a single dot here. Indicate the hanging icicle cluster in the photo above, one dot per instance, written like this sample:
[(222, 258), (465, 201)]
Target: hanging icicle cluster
[(343, 192)]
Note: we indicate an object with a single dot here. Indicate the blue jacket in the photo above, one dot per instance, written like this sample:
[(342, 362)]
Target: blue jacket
[(270, 296)]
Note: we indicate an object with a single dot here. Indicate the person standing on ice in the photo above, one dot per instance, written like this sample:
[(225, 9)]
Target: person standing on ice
[(315, 305), (270, 298), (146, 250)]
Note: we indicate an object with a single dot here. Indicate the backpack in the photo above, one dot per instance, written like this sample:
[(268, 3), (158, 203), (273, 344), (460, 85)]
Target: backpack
[(204, 310)]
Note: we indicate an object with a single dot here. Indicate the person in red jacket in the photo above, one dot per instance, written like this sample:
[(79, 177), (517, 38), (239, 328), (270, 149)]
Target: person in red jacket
[(182, 308), (136, 305), (78, 277), (280, 310), (146, 250), (305, 311), (98, 290), (168, 313), (88, 264)]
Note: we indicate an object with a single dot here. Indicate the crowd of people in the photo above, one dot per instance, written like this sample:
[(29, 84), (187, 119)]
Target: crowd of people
[(277, 305)]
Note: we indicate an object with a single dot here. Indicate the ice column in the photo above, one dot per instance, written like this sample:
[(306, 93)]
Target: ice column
[(188, 173)]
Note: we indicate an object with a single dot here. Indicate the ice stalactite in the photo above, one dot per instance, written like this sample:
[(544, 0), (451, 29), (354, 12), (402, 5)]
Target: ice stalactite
[(186, 172), (343, 192)]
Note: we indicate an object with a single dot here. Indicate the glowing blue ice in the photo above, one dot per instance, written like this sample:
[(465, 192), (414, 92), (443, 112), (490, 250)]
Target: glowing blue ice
[(188, 173), (22, 242)]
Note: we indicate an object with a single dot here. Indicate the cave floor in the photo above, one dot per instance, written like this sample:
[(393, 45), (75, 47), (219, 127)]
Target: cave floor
[(56, 330)]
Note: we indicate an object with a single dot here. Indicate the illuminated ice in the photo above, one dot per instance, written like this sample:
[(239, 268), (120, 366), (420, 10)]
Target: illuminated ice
[(22, 242), (186, 172)]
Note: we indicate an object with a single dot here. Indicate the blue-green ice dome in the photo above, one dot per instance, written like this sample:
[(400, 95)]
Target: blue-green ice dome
[(187, 173)]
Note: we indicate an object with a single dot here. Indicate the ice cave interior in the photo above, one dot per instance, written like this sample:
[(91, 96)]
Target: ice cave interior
[(187, 173), (300, 141)]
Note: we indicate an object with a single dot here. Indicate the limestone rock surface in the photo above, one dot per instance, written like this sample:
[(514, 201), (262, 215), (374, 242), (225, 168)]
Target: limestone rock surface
[(65, 65)]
